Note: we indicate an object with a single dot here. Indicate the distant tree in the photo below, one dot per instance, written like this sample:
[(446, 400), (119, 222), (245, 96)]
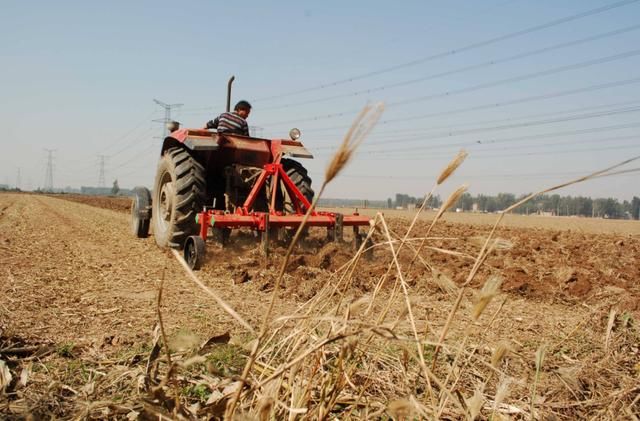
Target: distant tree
[(389, 203), (504, 200), (614, 208), (552, 203), (115, 189), (403, 200), (434, 201), (635, 207), (583, 206), (465, 202), (609, 208), (483, 202)]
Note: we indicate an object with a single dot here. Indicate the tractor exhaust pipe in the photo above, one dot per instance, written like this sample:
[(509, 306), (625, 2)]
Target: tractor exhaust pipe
[(229, 93)]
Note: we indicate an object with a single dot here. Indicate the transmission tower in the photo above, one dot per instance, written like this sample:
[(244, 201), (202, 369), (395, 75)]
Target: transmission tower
[(18, 180), (167, 115), (101, 174), (48, 175)]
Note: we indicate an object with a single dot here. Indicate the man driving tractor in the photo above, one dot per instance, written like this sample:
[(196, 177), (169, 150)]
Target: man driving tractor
[(232, 122)]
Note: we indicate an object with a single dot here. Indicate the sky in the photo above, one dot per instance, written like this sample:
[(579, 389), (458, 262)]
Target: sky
[(537, 92)]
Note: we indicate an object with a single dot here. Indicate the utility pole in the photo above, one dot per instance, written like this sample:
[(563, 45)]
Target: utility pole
[(18, 180), (101, 174), (48, 176), (167, 115)]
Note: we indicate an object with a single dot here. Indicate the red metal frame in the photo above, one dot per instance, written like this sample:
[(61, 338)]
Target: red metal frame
[(245, 216)]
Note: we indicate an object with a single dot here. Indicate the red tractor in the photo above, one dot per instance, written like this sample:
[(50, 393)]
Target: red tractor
[(209, 183)]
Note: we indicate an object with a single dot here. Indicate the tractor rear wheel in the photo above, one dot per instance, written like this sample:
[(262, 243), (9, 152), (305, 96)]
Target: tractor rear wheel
[(178, 196), (298, 174)]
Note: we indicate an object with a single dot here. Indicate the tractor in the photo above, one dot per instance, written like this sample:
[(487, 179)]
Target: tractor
[(209, 183)]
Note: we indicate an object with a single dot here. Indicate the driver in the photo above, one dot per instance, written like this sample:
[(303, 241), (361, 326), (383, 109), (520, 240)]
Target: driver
[(232, 122)]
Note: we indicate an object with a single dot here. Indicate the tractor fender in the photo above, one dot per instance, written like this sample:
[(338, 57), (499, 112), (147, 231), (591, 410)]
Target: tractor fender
[(194, 140)]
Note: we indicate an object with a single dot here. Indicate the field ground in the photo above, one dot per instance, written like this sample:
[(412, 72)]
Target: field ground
[(79, 295), (562, 223)]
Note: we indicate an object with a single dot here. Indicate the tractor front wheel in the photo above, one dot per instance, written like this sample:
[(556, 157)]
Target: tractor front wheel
[(178, 196), (140, 212)]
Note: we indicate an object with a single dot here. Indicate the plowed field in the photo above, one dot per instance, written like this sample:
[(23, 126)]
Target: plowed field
[(78, 304)]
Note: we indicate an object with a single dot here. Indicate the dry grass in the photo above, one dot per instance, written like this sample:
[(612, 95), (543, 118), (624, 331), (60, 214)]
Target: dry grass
[(341, 355), (347, 354)]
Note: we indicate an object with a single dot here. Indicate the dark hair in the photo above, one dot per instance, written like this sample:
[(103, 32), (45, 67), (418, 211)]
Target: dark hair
[(242, 105)]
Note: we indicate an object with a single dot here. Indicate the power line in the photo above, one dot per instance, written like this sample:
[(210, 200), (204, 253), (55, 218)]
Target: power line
[(442, 146), (485, 175), (129, 132), (459, 17), (494, 105), (89, 166), (144, 151), (459, 50), (191, 110), (398, 134), (133, 171), (533, 75), (131, 143), (463, 69), (538, 146), (415, 157), (101, 182), (453, 133), (480, 86)]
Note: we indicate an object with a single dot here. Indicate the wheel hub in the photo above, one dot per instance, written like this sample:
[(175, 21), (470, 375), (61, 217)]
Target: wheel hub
[(165, 204), (191, 253)]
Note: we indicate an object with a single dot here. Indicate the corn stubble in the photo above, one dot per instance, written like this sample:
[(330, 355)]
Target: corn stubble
[(345, 355)]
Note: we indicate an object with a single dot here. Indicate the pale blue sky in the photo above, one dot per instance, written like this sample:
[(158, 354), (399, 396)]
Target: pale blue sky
[(79, 77)]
